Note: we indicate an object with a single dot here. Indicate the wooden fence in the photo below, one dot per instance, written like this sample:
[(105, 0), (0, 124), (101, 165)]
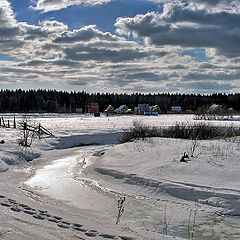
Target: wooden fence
[(23, 125)]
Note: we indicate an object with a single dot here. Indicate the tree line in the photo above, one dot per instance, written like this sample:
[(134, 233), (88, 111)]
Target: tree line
[(66, 102)]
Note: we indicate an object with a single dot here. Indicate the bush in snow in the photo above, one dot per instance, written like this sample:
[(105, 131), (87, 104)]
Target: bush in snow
[(27, 133), (139, 131), (200, 131), (194, 132)]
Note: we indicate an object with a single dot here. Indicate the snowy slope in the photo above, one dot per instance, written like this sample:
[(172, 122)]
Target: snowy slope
[(80, 174), (211, 177)]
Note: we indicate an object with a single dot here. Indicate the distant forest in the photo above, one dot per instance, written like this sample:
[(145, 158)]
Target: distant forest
[(66, 102)]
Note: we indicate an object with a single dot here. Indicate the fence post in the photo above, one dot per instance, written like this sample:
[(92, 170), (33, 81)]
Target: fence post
[(14, 122), (3, 122), (8, 123)]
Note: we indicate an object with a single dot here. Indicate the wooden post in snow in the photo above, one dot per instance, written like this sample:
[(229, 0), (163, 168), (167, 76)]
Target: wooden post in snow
[(14, 122), (3, 122), (24, 126)]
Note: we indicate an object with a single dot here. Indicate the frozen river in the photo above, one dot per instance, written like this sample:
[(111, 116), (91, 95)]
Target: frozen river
[(74, 180), (84, 168)]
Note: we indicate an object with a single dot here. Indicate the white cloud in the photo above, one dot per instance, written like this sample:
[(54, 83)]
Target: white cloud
[(87, 57), (183, 26), (54, 26), (9, 30), (84, 34), (7, 18), (232, 6), (53, 5)]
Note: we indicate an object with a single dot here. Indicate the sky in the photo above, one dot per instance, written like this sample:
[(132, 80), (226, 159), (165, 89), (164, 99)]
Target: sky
[(121, 46)]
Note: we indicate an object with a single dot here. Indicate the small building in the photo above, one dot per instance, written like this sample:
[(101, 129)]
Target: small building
[(109, 109), (129, 111), (122, 109), (176, 109), (92, 107), (214, 108), (155, 108), (143, 108)]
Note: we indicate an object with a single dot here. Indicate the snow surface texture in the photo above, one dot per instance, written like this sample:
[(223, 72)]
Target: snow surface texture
[(211, 178), (68, 186)]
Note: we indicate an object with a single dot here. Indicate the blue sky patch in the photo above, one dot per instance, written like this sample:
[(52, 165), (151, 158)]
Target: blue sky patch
[(5, 57), (198, 54)]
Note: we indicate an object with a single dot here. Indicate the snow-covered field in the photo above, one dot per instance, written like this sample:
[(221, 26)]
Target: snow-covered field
[(68, 186)]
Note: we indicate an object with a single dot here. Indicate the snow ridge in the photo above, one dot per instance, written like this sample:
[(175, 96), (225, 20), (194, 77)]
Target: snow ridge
[(227, 200)]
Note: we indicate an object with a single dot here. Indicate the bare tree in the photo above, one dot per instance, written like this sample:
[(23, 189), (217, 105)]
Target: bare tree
[(28, 132), (194, 146)]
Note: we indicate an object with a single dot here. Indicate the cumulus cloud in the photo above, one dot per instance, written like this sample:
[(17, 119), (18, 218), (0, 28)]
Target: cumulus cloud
[(216, 5), (7, 18), (53, 5), (208, 5), (86, 33), (50, 53), (54, 26), (186, 27), (9, 30)]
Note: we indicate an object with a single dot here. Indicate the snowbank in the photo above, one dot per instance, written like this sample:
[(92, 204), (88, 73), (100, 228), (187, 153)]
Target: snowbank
[(3, 166), (154, 165)]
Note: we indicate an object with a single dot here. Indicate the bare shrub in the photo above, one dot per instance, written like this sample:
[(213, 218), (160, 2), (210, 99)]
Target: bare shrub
[(192, 131), (27, 132), (199, 131), (231, 134), (139, 131)]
